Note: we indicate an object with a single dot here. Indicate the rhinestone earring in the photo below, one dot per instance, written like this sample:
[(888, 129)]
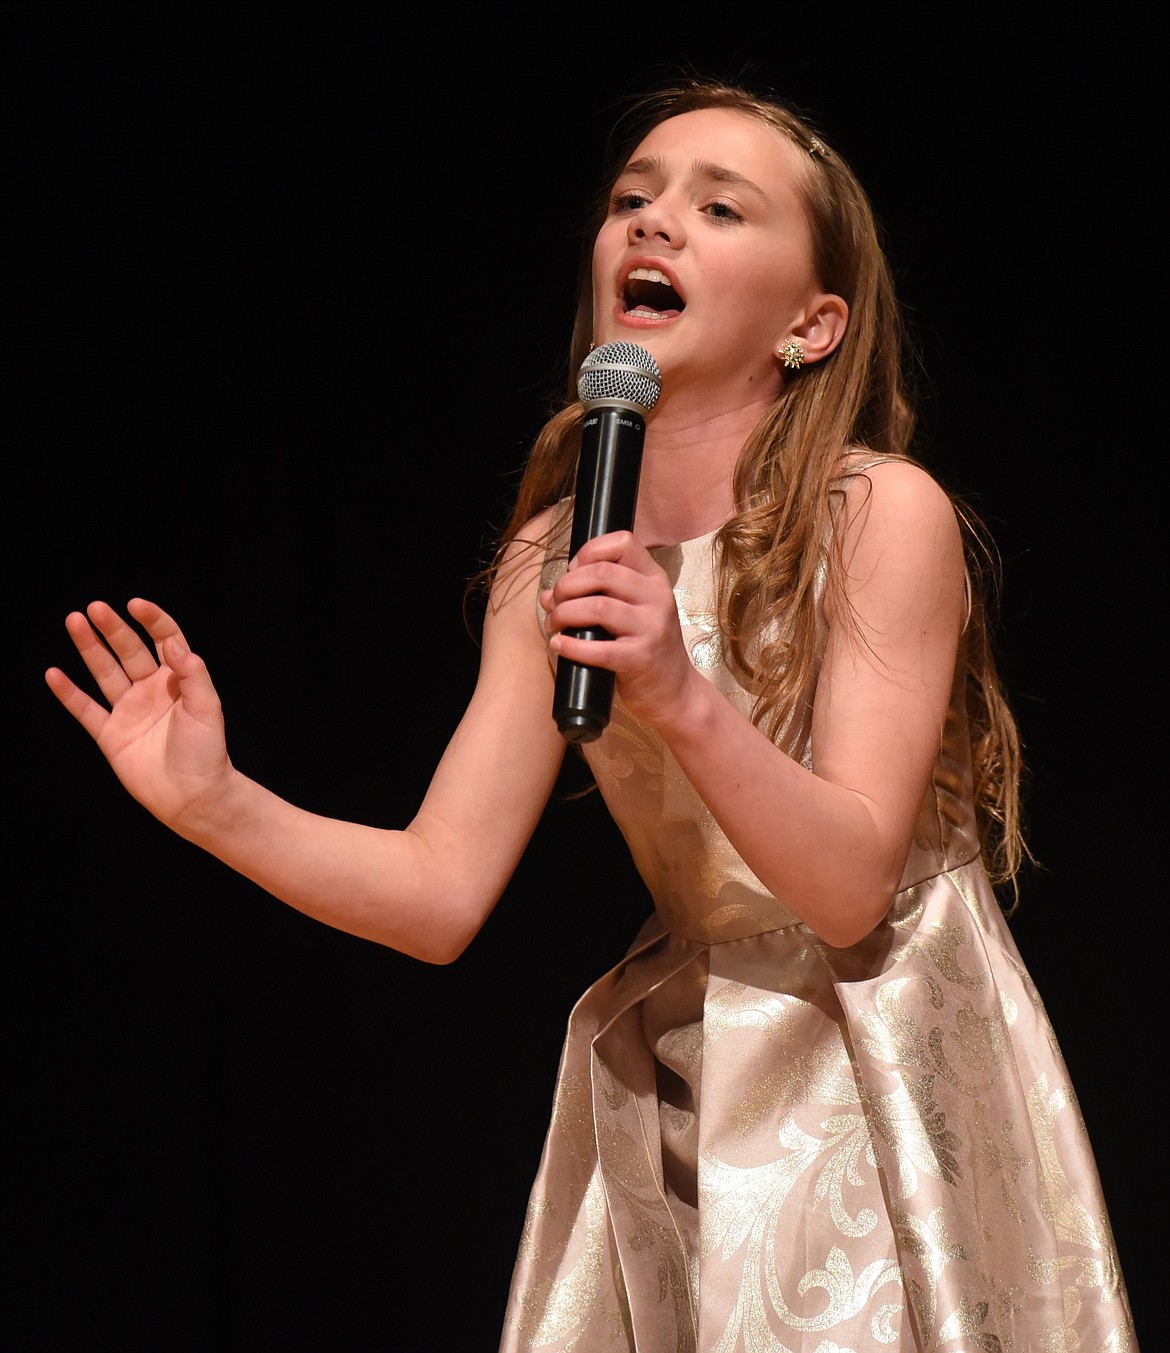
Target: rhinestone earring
[(791, 353)]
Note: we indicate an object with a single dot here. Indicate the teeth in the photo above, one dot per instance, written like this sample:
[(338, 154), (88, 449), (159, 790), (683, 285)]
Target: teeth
[(650, 275), (646, 314)]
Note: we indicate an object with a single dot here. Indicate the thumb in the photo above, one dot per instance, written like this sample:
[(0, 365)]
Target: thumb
[(198, 692), (177, 655)]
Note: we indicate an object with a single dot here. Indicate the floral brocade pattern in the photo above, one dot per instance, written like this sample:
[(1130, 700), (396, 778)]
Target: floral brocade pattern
[(761, 1144)]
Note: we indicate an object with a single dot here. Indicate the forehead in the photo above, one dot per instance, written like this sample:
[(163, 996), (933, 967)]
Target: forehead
[(728, 138)]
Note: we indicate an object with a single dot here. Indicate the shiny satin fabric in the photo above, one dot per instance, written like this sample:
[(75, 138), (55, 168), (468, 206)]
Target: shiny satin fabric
[(760, 1143)]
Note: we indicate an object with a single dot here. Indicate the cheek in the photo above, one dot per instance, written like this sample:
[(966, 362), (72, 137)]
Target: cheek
[(779, 295), (756, 278), (609, 247), (597, 278), (611, 239), (789, 274)]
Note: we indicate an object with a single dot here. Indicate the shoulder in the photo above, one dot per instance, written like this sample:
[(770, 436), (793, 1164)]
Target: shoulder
[(891, 495), (518, 569), (900, 542)]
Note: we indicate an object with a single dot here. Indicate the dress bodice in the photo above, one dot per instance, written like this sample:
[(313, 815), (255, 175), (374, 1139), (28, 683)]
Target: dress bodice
[(702, 889)]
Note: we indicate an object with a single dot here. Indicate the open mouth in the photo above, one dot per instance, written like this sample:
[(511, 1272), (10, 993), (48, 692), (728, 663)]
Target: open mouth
[(648, 294)]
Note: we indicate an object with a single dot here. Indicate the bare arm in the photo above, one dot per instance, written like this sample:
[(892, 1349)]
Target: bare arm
[(424, 890), (830, 845)]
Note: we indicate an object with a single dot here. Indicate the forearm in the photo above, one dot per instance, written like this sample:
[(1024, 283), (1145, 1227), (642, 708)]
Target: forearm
[(821, 848), (388, 886)]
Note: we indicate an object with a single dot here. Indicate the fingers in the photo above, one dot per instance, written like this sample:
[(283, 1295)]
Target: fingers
[(133, 654), (615, 565), (88, 713), (597, 610), (199, 693), (611, 579), (94, 633), (199, 696), (157, 623), (618, 547), (607, 572), (615, 586), (116, 654)]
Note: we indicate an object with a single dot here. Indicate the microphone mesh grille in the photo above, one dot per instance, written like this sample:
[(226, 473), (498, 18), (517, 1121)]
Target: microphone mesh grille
[(620, 371)]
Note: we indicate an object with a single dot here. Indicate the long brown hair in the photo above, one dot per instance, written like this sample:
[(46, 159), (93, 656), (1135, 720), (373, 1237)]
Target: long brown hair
[(772, 552)]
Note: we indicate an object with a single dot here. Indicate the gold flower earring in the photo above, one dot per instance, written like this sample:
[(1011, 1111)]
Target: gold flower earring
[(791, 353)]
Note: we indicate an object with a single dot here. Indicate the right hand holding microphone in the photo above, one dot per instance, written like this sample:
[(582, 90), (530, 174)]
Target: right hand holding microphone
[(614, 583), (163, 731)]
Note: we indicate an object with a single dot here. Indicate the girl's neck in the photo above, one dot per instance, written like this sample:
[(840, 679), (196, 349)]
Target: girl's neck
[(687, 467)]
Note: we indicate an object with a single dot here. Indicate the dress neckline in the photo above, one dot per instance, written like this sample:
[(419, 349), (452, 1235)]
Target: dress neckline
[(685, 544)]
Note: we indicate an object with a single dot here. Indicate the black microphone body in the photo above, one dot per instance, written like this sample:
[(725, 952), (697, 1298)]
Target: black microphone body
[(619, 383)]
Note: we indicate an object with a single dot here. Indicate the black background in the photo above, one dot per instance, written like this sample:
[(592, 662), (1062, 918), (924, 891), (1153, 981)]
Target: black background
[(287, 297)]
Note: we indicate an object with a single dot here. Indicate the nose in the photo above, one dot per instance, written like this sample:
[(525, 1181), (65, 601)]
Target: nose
[(658, 220)]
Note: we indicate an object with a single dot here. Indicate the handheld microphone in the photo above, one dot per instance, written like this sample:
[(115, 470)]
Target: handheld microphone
[(619, 383)]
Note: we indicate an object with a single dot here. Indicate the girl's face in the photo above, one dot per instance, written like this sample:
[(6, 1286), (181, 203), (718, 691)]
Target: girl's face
[(704, 257)]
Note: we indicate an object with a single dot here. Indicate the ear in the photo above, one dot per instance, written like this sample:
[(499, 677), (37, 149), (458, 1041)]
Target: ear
[(823, 327)]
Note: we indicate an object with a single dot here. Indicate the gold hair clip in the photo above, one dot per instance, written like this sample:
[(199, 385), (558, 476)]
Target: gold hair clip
[(816, 147)]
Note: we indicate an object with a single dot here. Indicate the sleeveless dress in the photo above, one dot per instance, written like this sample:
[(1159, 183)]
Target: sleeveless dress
[(761, 1143)]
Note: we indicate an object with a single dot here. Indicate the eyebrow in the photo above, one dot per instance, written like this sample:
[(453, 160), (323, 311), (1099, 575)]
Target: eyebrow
[(705, 169)]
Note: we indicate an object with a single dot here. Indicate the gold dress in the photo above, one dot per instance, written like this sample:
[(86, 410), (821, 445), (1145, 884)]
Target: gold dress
[(760, 1143)]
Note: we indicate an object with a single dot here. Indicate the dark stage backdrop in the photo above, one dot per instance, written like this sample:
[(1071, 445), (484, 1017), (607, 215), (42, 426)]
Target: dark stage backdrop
[(287, 299)]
